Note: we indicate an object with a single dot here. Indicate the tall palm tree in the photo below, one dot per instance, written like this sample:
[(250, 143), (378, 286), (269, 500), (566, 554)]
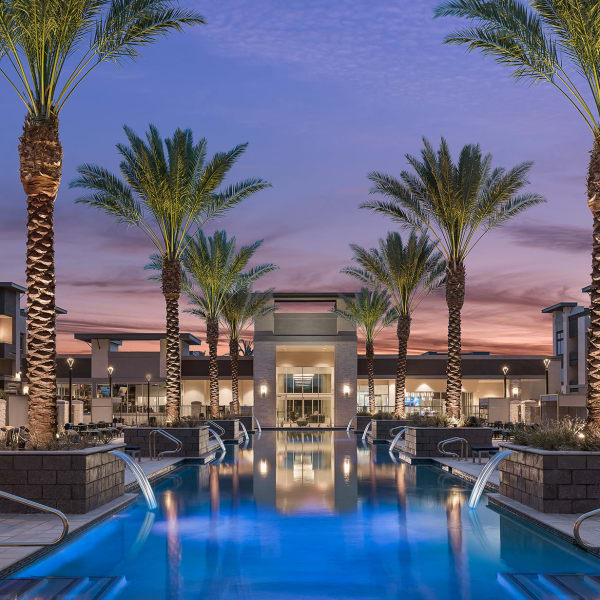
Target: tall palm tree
[(369, 311), (457, 204), (49, 47), (408, 271), (246, 348), (554, 42), (169, 195), (241, 308), (215, 267)]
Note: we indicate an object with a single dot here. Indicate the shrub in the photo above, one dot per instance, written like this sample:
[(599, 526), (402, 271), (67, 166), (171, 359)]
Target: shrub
[(363, 413), (471, 422), (383, 415), (566, 434), (430, 420)]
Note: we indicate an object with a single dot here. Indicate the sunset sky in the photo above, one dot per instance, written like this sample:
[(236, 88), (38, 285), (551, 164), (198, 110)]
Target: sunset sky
[(324, 91)]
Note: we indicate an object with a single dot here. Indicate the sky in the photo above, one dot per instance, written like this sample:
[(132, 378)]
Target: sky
[(324, 91)]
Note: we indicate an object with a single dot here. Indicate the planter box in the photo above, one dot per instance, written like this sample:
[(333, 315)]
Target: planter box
[(423, 441), (380, 429), (233, 431), (360, 422), (551, 481), (74, 481), (195, 440)]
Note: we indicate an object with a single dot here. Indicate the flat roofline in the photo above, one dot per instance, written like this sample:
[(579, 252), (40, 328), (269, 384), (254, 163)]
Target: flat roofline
[(13, 286), (559, 306), (310, 296), (122, 336)]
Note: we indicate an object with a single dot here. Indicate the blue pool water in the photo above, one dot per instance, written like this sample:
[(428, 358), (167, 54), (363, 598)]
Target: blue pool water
[(308, 515)]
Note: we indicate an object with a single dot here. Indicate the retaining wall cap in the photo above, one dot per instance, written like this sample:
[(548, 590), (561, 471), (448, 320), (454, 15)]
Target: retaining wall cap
[(85, 451), (532, 450)]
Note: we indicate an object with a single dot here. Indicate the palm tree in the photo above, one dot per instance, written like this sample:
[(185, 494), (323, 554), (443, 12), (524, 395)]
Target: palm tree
[(215, 267), (369, 311), (246, 348), (168, 195), (241, 308), (408, 272), (555, 42), (50, 47), (457, 204)]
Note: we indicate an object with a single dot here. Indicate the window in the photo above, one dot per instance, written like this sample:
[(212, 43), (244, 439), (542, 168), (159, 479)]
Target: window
[(560, 343)]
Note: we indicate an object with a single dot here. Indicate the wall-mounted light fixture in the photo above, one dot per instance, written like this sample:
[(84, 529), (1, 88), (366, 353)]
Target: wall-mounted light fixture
[(25, 390), (515, 392), (18, 376), (347, 466), (346, 390), (263, 467), (263, 390)]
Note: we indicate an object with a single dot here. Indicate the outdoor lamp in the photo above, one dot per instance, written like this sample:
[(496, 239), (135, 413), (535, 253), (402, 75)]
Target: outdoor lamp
[(547, 362), (505, 371), (263, 390), (18, 376), (148, 378), (110, 372), (25, 390), (346, 390)]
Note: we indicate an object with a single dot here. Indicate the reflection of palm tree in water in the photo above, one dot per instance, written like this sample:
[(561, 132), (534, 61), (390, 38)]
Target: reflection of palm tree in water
[(454, 504), (173, 547)]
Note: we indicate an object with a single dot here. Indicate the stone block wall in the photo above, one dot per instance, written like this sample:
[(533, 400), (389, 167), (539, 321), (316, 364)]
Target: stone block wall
[(248, 421), (2, 412), (195, 440), (76, 481), (551, 481), (233, 431), (423, 441), (361, 421)]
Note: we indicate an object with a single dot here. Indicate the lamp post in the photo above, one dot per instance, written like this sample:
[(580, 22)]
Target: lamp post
[(110, 389), (505, 372), (148, 378), (70, 362), (547, 366)]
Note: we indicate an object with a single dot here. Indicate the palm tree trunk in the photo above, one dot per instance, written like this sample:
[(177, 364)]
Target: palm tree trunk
[(234, 351), (403, 332), (40, 154), (593, 356), (171, 287), (212, 337), (371, 375), (455, 298)]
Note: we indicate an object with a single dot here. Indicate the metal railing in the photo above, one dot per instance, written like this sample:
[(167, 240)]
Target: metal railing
[(366, 431), (577, 525), (141, 478), (216, 426), (464, 447), (217, 437), (396, 437), (152, 444), (483, 477), (43, 508)]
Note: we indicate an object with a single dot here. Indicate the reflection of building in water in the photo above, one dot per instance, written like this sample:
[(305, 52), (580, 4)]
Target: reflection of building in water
[(305, 471), (173, 546)]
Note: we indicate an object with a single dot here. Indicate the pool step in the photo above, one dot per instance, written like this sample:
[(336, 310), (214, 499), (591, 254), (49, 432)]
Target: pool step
[(549, 586), (60, 588)]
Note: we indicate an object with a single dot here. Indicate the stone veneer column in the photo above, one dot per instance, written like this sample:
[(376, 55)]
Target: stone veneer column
[(265, 408), (345, 373), (77, 409), (2, 412)]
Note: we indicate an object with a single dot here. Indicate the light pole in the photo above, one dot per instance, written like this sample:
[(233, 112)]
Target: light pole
[(70, 362), (110, 390), (505, 372), (547, 366), (148, 378)]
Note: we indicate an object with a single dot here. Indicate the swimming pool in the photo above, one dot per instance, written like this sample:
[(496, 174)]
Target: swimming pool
[(311, 514)]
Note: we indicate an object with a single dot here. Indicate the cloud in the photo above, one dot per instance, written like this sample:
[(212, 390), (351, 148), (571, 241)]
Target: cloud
[(560, 238)]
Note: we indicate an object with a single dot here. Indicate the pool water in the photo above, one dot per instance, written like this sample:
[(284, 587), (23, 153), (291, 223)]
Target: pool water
[(308, 515)]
